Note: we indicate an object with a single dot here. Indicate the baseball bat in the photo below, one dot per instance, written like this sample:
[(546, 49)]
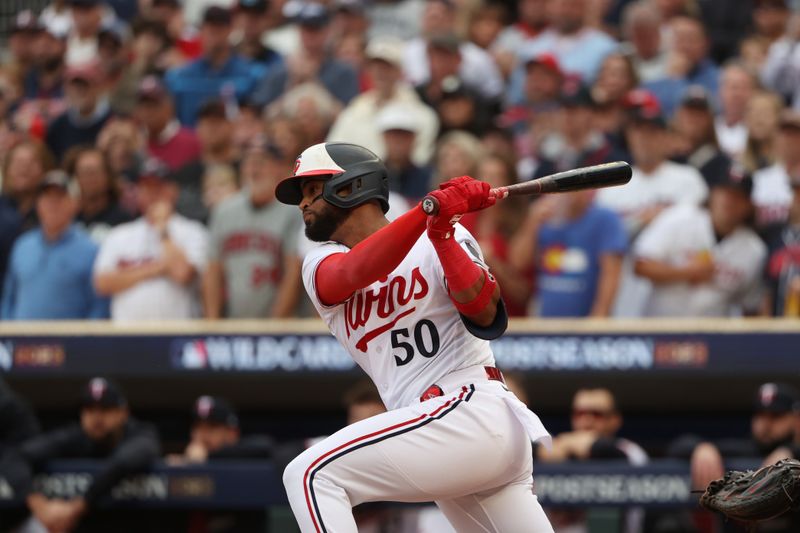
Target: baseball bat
[(578, 179)]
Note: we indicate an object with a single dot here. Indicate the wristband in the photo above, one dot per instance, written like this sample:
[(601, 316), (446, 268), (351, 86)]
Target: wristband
[(483, 298)]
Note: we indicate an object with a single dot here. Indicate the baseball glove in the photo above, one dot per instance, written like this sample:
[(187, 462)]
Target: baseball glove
[(755, 495)]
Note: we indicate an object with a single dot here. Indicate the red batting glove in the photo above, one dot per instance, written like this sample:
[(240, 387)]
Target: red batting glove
[(440, 228), (477, 193)]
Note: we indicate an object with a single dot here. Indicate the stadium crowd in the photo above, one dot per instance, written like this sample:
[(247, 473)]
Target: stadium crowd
[(140, 143)]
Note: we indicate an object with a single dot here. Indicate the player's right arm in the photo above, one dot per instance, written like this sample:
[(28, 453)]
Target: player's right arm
[(339, 275)]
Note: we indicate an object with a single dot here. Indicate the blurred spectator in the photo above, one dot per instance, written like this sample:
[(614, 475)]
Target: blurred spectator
[(531, 21), (616, 79), (44, 81), (576, 141), (253, 270), (100, 208), (251, 21), (357, 122), (457, 154), (312, 63), (575, 250), (688, 64), (726, 26), (494, 230), (362, 401), (713, 270), (736, 89), (114, 52), (17, 424), (150, 266), (783, 266), (349, 20), (770, 18), (219, 71), (486, 23), (596, 421), (248, 125), (87, 19), (167, 140), (216, 435), (149, 48), (656, 182), (461, 108), (399, 126), (579, 49), (696, 137), (24, 167), (311, 106), (123, 142), (400, 19), (771, 426), (23, 33), (761, 120), (215, 135), (781, 71), (87, 112), (772, 193), (10, 228), (476, 67), (541, 91), (53, 260), (219, 183), (641, 27), (106, 432)]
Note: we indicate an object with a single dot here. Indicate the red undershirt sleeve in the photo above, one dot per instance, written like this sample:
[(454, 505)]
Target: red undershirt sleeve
[(339, 275)]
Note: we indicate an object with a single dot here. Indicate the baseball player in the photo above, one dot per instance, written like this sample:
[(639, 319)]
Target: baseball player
[(415, 306)]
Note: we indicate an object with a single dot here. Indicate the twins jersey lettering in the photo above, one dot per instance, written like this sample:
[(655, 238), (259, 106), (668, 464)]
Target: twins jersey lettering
[(403, 330)]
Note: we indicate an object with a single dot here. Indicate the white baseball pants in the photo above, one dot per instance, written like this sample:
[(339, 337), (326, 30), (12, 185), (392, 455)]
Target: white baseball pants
[(466, 450)]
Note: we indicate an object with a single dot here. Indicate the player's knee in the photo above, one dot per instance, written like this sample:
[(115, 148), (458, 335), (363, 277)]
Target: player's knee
[(294, 473)]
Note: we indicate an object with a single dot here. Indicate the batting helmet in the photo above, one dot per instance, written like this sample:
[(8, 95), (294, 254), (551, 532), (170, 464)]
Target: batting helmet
[(354, 176)]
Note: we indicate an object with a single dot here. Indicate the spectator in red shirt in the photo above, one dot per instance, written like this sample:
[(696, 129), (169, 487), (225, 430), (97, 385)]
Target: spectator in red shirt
[(167, 140)]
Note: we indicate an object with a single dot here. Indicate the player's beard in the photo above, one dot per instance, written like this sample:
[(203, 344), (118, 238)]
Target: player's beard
[(325, 222)]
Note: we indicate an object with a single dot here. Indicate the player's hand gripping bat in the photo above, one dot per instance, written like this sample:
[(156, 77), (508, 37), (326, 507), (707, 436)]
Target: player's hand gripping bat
[(593, 177)]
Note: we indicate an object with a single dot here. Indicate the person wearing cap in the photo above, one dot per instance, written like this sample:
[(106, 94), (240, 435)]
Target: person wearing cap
[(252, 21), (87, 19), (356, 123), (44, 81), (399, 124), (253, 270), (49, 271), (772, 186), (167, 139), (580, 49), (477, 68), (696, 136), (106, 433), (215, 134), (656, 182), (88, 110), (219, 70), (715, 269), (24, 31), (313, 62), (216, 434), (783, 267), (150, 267), (772, 425)]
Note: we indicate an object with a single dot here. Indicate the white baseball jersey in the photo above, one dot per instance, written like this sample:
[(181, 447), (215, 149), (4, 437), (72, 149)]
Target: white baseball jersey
[(670, 183), (403, 330), (772, 194), (676, 237), (137, 243)]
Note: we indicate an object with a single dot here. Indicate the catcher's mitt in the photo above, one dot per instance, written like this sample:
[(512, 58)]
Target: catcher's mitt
[(760, 495)]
